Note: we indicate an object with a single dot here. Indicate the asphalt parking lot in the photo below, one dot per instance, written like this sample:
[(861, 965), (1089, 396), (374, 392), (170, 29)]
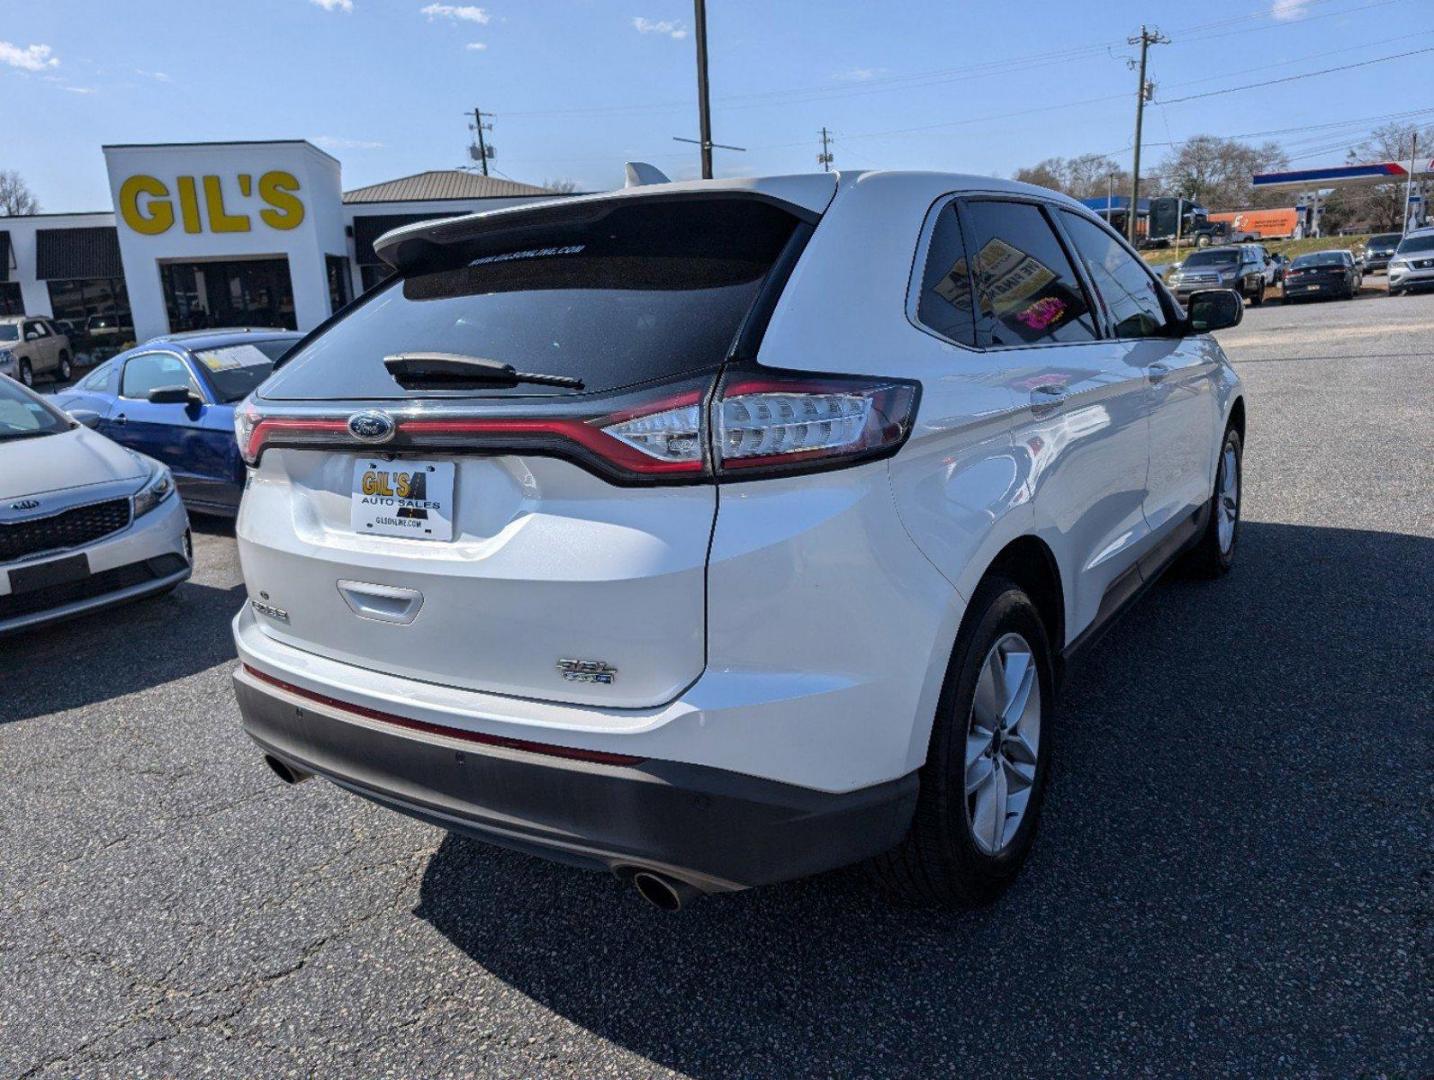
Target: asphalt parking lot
[(1233, 877)]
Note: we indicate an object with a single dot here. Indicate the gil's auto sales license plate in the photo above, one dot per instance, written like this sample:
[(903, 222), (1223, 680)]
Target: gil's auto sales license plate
[(403, 498)]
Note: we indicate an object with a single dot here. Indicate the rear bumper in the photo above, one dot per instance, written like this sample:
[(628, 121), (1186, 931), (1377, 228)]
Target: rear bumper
[(713, 828)]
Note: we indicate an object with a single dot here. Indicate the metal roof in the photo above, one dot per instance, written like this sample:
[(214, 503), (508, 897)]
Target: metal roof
[(442, 184)]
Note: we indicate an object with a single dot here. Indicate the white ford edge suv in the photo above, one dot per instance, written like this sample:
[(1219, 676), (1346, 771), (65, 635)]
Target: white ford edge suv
[(720, 533)]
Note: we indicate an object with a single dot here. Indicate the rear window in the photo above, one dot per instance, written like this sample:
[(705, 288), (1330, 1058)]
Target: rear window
[(649, 290), (1321, 258), (235, 370)]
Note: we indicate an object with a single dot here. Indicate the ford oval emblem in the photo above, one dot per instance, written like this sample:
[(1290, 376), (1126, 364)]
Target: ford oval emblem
[(372, 426)]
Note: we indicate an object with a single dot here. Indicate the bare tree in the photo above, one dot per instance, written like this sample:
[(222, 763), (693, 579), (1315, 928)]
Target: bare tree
[(1083, 177), (15, 196), (1218, 172), (1380, 207), (561, 186)]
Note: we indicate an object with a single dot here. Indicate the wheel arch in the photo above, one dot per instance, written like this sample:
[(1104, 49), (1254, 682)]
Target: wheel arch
[(1031, 564), (1236, 419)]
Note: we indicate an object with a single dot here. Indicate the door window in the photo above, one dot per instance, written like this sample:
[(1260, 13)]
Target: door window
[(945, 303), (36, 330), (149, 371), (1026, 289), (1130, 293)]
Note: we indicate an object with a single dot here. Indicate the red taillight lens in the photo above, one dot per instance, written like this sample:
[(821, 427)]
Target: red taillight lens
[(760, 423), (792, 422)]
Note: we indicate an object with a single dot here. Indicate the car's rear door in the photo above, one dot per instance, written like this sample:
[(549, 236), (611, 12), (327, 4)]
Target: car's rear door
[(1083, 430), (488, 538), (1178, 375)]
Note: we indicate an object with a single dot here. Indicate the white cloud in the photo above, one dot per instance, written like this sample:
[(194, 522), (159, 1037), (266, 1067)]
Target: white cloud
[(346, 6), (157, 76), (79, 89), (338, 142), (1284, 10), (659, 26), (476, 46), (859, 74), (30, 58), (457, 12)]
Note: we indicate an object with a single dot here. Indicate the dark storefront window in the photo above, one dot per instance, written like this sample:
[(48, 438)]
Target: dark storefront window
[(338, 273), (95, 313), (374, 275), (246, 292), (10, 301)]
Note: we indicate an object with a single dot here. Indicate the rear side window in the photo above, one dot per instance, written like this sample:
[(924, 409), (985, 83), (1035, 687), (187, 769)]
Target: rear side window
[(1127, 288), (1027, 292), (647, 290), (945, 304)]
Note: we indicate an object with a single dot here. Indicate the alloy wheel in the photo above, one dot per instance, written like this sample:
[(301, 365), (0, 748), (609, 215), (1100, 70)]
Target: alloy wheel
[(1002, 742), (1227, 499)]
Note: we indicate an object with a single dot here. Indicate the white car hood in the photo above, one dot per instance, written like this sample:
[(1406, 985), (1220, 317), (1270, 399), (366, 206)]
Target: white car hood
[(72, 459)]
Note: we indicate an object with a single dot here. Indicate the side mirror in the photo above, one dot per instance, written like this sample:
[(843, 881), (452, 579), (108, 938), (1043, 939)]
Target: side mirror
[(1214, 309), (173, 395), (87, 417)]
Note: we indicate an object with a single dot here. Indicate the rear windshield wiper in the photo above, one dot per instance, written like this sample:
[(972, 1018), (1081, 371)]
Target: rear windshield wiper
[(455, 371)]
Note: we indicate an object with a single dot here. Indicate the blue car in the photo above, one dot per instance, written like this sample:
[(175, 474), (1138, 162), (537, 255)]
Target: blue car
[(173, 398)]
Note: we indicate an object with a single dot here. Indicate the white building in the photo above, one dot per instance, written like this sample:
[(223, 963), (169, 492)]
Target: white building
[(222, 234)]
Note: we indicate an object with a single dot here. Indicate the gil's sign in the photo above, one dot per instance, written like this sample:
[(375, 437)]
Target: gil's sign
[(149, 206)]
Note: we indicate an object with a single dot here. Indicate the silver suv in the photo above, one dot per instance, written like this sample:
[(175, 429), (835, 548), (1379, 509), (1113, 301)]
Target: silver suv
[(33, 348)]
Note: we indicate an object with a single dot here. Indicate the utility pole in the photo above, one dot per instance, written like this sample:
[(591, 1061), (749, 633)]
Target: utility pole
[(483, 155), (1146, 39), (825, 157), (704, 109), (1409, 183)]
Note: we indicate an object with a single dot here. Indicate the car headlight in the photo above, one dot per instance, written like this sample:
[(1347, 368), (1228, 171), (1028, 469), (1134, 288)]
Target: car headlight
[(157, 488), (1398, 264)]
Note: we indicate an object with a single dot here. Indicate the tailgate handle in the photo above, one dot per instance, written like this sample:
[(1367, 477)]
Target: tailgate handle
[(382, 603)]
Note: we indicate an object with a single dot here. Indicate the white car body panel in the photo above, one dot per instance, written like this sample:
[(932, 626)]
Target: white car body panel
[(829, 603)]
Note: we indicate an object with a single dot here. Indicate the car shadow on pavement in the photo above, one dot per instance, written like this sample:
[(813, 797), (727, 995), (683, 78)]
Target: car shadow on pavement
[(1222, 759), (108, 654)]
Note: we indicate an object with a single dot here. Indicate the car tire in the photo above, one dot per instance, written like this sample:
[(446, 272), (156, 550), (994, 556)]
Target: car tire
[(1214, 554), (27, 374), (1259, 297), (65, 370), (967, 841)]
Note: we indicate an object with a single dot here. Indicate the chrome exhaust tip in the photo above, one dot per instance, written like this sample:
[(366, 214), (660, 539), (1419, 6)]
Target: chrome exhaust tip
[(286, 772), (663, 892)]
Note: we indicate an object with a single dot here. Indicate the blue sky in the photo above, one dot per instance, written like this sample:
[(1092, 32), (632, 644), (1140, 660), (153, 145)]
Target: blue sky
[(579, 86)]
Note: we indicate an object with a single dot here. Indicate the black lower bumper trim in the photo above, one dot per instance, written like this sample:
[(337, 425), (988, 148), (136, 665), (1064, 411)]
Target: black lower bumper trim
[(717, 829)]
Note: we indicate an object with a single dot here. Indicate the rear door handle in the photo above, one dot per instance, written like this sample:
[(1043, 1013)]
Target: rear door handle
[(1046, 399), (120, 419)]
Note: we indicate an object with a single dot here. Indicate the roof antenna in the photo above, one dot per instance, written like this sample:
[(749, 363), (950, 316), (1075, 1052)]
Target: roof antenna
[(640, 173)]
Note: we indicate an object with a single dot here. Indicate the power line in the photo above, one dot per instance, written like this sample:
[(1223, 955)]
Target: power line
[(1296, 78)]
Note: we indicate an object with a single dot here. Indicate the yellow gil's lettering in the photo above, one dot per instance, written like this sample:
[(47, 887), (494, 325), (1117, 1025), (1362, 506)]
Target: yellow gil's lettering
[(220, 220), (188, 204), (376, 483), (402, 485), (156, 216), (277, 189)]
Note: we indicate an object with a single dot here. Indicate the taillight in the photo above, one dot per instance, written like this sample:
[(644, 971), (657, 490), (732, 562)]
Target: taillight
[(791, 422), (759, 422)]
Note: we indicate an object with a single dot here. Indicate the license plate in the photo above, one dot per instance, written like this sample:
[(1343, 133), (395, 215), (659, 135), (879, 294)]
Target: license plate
[(403, 498), (25, 579)]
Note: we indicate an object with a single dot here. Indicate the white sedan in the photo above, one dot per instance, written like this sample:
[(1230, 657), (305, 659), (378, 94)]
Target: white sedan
[(84, 523)]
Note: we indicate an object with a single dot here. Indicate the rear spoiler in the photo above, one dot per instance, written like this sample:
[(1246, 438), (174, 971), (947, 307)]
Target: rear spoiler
[(413, 247)]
